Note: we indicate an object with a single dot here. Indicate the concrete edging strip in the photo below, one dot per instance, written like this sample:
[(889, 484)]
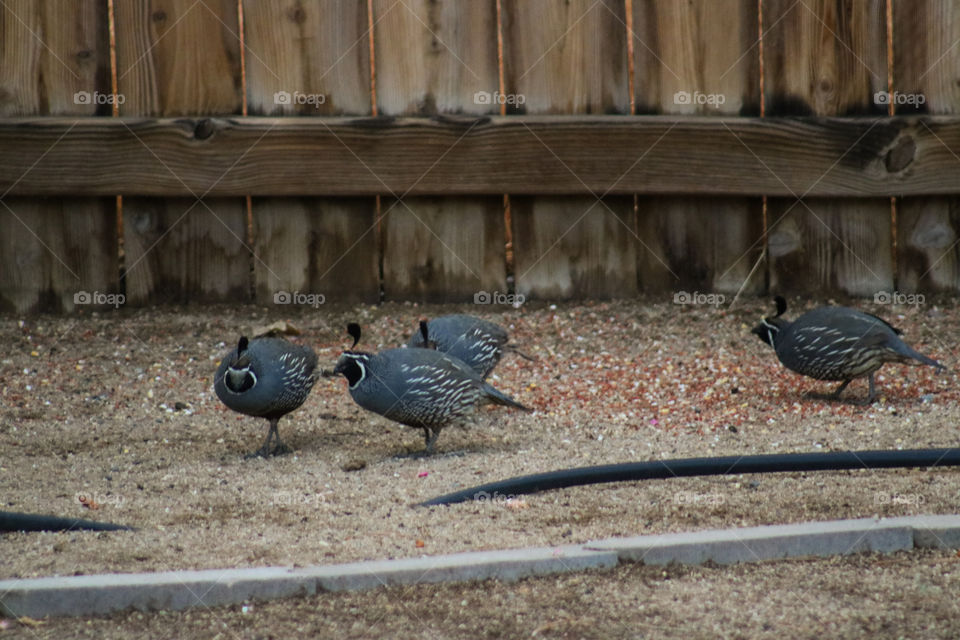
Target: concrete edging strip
[(174, 590)]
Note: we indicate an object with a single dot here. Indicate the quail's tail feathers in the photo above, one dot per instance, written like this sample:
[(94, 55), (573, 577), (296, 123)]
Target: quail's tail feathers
[(498, 397)]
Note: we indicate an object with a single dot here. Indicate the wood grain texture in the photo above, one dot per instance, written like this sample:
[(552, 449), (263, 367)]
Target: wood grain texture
[(53, 249), (326, 246), (50, 51), (520, 154), (434, 56), (565, 57), (177, 57), (179, 250), (574, 247), (926, 68), (834, 245), (443, 249), (829, 58), (315, 246), (316, 48), (698, 58), (824, 57), (569, 58)]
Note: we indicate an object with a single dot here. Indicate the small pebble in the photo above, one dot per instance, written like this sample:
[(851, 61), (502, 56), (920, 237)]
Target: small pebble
[(354, 465)]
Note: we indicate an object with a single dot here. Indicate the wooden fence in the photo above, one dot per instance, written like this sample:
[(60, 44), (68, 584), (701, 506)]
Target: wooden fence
[(433, 149)]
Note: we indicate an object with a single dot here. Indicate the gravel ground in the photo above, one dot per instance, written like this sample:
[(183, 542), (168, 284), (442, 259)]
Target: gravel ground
[(118, 407)]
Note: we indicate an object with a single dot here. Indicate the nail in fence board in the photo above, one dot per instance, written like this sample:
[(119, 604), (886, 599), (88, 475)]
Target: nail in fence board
[(178, 57), (439, 58), (568, 58), (926, 68), (698, 58), (827, 58), (311, 59), (55, 62)]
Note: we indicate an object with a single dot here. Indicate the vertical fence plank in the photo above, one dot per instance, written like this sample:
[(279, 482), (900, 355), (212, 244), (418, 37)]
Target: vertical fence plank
[(433, 58), (827, 58), (55, 60), (179, 57), (311, 59), (926, 66), (569, 58), (698, 58)]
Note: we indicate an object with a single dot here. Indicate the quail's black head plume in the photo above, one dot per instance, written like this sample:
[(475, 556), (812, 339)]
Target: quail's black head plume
[(475, 341), (420, 388), (354, 330), (836, 343), (266, 378)]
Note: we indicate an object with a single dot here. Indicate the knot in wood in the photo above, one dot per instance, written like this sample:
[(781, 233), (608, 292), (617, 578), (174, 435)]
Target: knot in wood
[(204, 129), (901, 155)]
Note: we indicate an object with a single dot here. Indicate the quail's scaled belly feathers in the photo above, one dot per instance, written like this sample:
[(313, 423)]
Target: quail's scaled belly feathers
[(420, 388), (268, 378), (837, 343)]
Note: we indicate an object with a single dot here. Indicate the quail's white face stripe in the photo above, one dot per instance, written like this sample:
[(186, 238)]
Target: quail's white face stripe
[(236, 376), (773, 329), (363, 369)]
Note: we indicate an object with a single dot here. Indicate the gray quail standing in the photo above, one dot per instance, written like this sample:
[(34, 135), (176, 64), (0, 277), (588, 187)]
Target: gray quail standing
[(477, 342), (267, 378), (420, 388), (836, 343)]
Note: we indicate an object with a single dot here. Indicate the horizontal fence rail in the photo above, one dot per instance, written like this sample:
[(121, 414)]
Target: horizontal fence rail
[(447, 155)]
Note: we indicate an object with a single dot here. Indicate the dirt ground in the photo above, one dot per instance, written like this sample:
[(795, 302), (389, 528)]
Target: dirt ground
[(118, 407)]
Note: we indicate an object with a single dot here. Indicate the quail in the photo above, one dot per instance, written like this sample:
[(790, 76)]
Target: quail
[(836, 343), (420, 388), (477, 342), (268, 378)]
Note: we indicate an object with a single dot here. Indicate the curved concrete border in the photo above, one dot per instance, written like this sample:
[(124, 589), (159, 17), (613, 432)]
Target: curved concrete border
[(173, 590)]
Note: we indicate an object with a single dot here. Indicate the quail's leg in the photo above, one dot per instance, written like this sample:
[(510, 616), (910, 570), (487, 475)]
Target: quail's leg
[(843, 385), (873, 392), (265, 451), (431, 438)]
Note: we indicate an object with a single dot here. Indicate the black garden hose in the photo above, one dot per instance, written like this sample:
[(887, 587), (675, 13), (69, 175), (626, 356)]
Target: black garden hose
[(728, 465), (16, 521)]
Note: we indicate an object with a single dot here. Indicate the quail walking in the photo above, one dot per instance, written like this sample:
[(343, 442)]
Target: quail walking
[(837, 343), (473, 340), (420, 388), (266, 378)]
